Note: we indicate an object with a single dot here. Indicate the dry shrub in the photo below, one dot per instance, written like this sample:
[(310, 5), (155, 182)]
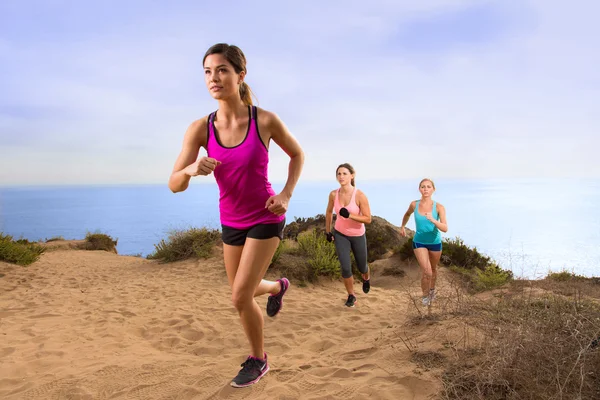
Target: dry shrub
[(534, 348), (428, 359), (181, 245), (570, 284), (100, 241)]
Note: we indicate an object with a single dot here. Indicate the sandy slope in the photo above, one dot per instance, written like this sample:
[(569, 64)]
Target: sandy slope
[(94, 325)]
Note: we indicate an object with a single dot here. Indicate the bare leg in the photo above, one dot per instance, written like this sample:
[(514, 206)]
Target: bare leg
[(247, 275), (434, 259), (367, 276), (232, 256), (422, 255)]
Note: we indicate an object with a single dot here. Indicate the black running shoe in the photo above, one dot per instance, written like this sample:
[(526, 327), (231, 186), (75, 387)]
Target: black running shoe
[(351, 300), (366, 286), (275, 301), (252, 370)]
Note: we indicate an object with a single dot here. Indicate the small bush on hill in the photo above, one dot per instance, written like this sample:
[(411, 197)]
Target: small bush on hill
[(181, 245), (478, 270), (293, 229), (20, 252), (321, 255), (100, 241)]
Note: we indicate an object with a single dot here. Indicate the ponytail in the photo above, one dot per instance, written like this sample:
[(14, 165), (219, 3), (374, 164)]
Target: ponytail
[(246, 94)]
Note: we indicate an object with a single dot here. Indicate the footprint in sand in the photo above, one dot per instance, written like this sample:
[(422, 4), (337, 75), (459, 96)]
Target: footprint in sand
[(6, 351), (192, 334), (285, 376), (321, 346), (358, 354)]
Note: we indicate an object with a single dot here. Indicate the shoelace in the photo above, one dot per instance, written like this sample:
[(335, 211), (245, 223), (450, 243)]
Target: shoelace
[(249, 363)]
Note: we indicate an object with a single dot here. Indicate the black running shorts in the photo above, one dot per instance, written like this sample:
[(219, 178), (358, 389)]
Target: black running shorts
[(237, 237)]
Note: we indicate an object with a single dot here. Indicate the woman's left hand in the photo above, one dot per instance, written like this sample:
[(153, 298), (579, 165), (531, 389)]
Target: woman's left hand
[(278, 204), (429, 217)]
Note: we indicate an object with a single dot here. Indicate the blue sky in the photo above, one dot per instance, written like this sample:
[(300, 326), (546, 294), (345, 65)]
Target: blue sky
[(103, 91)]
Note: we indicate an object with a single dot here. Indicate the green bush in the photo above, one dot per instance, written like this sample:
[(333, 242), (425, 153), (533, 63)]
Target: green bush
[(477, 280), (280, 249), (321, 254), (456, 252), (564, 276), (294, 228), (405, 250), (490, 278), (479, 271), (100, 241), (181, 245), (21, 252)]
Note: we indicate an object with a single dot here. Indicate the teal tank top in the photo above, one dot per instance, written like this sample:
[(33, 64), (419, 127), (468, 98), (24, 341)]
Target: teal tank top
[(427, 232)]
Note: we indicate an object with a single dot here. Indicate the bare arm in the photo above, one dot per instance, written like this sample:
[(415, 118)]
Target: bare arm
[(408, 213), (288, 143), (365, 209), (411, 209), (329, 212), (186, 165)]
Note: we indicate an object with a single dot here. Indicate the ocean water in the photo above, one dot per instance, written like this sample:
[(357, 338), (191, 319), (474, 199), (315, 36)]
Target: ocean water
[(528, 226)]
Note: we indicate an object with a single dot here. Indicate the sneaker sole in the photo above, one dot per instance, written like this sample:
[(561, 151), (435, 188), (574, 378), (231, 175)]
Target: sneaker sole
[(235, 385)]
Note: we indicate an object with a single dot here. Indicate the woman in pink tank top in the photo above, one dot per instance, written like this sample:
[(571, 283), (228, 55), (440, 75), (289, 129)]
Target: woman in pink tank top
[(353, 212), (236, 138)]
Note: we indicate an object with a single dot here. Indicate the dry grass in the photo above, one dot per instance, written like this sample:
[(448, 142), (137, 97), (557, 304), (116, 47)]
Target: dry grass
[(428, 359), (520, 342), (100, 241), (534, 347), (571, 285)]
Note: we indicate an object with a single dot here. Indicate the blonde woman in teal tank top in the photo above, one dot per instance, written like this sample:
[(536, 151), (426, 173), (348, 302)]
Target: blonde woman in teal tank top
[(430, 221)]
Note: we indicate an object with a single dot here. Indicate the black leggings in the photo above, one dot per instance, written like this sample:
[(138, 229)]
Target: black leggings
[(358, 245)]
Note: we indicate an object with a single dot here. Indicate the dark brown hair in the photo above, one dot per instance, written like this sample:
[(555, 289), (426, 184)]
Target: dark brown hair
[(237, 59), (349, 168)]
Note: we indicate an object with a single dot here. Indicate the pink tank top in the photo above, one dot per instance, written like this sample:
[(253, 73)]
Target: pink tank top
[(242, 177), (346, 226)]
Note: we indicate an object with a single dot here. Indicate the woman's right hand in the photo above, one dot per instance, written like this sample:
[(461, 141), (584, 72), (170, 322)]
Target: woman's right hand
[(402, 232), (203, 166)]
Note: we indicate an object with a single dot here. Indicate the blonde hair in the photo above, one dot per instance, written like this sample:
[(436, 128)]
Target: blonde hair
[(427, 180)]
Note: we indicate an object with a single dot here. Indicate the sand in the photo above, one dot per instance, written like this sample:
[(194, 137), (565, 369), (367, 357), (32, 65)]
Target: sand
[(95, 325)]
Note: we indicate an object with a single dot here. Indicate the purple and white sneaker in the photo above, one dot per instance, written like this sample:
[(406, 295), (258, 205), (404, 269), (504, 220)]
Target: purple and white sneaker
[(275, 301), (252, 370)]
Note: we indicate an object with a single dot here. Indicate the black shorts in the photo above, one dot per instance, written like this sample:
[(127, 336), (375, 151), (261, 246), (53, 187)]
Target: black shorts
[(237, 237)]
